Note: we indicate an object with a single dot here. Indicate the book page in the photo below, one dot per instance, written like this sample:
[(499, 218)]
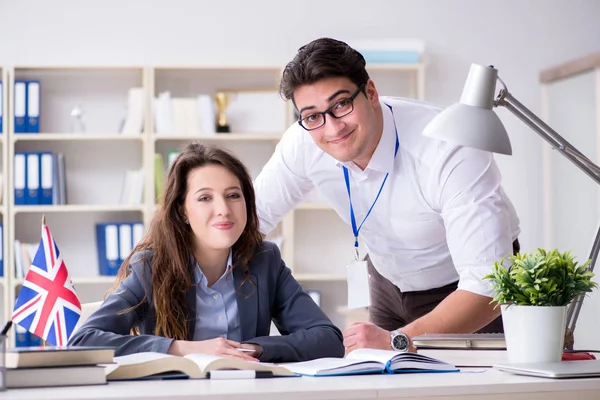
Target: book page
[(332, 366), (208, 363), (146, 364), (382, 356)]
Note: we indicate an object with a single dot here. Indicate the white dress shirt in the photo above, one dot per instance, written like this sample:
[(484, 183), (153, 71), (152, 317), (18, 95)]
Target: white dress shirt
[(442, 215)]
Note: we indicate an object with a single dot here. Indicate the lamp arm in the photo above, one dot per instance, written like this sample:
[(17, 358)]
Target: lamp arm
[(505, 99), (559, 143)]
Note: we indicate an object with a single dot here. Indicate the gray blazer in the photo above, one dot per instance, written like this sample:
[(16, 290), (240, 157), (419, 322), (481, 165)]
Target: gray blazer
[(306, 331)]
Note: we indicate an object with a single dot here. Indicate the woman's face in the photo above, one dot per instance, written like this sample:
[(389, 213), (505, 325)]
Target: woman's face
[(215, 207)]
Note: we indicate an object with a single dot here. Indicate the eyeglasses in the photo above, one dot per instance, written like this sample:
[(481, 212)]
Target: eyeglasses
[(338, 110)]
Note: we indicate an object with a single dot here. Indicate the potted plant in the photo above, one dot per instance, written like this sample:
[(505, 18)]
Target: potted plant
[(534, 292)]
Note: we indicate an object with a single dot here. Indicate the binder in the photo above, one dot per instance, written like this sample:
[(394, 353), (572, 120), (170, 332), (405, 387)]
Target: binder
[(33, 179), (1, 105), (137, 232), (20, 106), (1, 249), (21, 336), (33, 107), (107, 240), (34, 340), (20, 177), (46, 178), (125, 241)]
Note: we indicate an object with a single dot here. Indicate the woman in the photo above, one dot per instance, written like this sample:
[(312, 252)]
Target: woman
[(203, 281)]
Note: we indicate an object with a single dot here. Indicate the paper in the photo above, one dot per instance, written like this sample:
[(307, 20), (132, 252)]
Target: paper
[(357, 276)]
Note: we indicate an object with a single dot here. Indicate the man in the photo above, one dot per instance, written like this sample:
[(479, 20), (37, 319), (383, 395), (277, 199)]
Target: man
[(435, 215)]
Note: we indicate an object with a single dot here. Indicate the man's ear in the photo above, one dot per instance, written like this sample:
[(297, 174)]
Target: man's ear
[(372, 94)]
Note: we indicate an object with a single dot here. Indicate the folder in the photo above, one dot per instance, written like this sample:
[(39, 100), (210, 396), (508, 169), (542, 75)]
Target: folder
[(21, 336), (1, 250), (138, 233), (20, 176), (33, 179), (1, 105), (20, 106), (107, 240), (33, 107), (125, 241), (46, 178)]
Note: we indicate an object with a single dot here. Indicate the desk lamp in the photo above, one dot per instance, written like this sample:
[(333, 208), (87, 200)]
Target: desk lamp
[(473, 123)]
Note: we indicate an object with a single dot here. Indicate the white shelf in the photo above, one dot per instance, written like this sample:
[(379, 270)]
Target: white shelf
[(319, 277), (78, 208), (313, 206), (73, 136), (224, 137)]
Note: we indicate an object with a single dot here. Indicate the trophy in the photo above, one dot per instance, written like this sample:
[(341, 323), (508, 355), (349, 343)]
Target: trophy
[(222, 100)]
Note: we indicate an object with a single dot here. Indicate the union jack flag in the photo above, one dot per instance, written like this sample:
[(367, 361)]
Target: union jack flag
[(47, 305)]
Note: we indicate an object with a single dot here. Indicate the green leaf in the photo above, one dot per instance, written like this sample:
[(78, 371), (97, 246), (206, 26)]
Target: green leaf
[(541, 278)]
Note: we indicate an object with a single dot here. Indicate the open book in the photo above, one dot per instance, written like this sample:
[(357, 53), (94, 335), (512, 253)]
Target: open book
[(364, 361), (147, 365)]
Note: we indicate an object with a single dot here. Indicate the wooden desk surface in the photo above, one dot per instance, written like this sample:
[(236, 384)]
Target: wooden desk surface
[(475, 384)]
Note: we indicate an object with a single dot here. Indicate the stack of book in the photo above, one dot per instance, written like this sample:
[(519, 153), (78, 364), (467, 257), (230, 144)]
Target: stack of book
[(57, 366), (464, 350)]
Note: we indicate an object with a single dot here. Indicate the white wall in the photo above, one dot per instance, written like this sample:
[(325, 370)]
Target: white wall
[(519, 37)]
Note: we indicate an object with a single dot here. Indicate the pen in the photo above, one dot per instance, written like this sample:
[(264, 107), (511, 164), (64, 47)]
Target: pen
[(6, 328), (245, 350), (238, 374)]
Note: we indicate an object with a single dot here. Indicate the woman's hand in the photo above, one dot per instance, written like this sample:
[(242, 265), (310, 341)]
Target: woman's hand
[(219, 347)]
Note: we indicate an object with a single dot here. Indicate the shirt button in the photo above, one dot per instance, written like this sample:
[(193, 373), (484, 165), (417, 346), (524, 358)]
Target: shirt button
[(215, 296)]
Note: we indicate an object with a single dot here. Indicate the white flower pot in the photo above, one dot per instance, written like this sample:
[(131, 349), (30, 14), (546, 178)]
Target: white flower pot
[(534, 333)]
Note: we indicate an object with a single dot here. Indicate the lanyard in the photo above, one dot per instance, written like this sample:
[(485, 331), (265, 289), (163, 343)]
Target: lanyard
[(356, 229)]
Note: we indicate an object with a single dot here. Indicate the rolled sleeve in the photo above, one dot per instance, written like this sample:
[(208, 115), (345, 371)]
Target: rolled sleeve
[(476, 215)]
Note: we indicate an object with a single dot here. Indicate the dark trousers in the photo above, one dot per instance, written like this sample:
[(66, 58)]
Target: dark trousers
[(392, 309)]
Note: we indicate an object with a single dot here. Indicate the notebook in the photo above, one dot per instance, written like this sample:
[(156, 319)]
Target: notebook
[(366, 361), (557, 370), (460, 340)]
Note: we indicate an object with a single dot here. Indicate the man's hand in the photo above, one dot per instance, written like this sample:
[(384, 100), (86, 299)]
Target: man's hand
[(219, 347), (366, 335)]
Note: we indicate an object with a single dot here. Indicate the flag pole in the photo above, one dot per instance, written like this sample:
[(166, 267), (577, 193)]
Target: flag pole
[(43, 219)]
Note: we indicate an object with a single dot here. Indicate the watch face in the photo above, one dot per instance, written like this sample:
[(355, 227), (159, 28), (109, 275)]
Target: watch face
[(400, 342)]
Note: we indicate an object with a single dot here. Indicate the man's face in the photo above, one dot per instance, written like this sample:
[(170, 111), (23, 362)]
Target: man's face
[(348, 138)]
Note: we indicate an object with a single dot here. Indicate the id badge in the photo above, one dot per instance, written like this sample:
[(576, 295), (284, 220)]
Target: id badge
[(357, 276)]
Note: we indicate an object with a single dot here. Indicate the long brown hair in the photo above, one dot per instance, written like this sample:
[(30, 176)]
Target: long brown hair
[(170, 238)]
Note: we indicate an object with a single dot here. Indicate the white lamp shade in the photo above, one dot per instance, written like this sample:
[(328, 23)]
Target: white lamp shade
[(472, 122), (470, 126)]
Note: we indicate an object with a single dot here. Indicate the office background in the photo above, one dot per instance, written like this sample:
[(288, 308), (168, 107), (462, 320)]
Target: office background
[(520, 38)]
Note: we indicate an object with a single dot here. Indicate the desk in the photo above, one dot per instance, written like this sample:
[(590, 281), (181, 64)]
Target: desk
[(486, 385)]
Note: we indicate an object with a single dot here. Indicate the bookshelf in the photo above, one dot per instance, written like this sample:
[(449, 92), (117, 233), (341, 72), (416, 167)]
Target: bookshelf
[(316, 243), (4, 241)]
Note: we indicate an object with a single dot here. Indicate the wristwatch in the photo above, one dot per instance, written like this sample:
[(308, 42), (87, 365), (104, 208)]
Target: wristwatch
[(399, 341)]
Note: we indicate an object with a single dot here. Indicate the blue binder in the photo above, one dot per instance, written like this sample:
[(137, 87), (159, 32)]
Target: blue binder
[(1, 249), (33, 106), (1, 105), (20, 99), (46, 178), (107, 240), (32, 194), (20, 178)]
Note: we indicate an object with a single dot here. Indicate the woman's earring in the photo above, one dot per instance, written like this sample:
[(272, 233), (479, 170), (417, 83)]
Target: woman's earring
[(187, 221)]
